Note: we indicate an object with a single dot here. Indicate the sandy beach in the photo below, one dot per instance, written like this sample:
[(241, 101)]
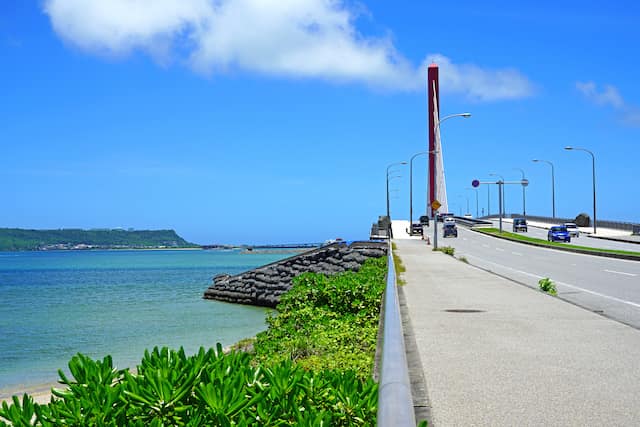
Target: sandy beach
[(40, 393)]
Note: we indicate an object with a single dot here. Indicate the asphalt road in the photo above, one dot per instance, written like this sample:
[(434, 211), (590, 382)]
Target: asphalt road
[(607, 286)]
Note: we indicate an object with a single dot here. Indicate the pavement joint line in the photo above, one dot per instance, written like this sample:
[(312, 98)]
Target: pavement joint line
[(621, 272), (631, 303)]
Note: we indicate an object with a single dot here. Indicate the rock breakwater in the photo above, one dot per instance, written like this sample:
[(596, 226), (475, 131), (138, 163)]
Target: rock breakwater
[(264, 285)]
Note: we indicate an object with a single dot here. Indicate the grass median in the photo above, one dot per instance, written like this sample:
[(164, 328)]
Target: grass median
[(541, 242)]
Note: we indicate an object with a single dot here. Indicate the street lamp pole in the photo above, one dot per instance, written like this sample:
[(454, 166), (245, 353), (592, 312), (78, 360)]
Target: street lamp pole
[(500, 198), (593, 175), (524, 203), (392, 164), (477, 211), (553, 186), (411, 188), (437, 124)]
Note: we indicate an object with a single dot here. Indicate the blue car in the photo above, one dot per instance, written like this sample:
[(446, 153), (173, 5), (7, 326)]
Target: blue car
[(558, 233)]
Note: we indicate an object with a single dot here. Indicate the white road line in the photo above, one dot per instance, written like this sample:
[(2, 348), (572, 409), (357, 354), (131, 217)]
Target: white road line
[(633, 304), (621, 272), (485, 246), (516, 253), (500, 249)]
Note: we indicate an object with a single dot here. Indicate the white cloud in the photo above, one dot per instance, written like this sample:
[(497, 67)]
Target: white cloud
[(291, 38), (481, 84), (610, 96)]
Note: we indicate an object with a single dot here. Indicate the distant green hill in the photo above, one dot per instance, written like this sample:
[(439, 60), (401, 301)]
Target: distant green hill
[(16, 239)]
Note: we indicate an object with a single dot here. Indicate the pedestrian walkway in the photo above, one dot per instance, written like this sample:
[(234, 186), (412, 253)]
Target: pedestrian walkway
[(495, 353)]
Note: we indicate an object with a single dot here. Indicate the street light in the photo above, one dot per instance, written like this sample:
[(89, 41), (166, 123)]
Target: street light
[(411, 188), (501, 208), (553, 186), (435, 150), (477, 211), (392, 164), (502, 201), (524, 205), (593, 173)]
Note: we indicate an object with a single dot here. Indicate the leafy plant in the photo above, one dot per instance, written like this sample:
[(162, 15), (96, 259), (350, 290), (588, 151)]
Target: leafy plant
[(449, 250), (547, 285), (464, 259)]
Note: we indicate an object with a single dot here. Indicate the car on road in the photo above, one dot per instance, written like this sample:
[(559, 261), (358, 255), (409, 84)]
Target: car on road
[(449, 229), (519, 224), (416, 229), (449, 220), (573, 229), (443, 216), (424, 220), (558, 233)]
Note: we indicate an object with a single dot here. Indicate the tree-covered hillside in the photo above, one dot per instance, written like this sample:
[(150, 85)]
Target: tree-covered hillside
[(16, 239)]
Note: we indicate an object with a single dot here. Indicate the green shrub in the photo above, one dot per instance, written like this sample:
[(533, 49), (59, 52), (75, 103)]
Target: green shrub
[(449, 250), (327, 322), (547, 285)]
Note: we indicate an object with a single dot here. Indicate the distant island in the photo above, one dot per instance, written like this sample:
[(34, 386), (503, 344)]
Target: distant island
[(16, 239)]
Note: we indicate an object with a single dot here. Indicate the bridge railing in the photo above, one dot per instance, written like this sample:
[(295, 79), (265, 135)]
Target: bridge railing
[(395, 403)]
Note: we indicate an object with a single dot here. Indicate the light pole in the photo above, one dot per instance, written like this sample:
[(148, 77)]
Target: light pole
[(553, 186), (411, 188), (392, 164), (500, 198), (477, 211), (437, 124), (524, 203), (593, 174)]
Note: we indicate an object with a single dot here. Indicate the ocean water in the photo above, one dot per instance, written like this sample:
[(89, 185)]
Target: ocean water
[(56, 304)]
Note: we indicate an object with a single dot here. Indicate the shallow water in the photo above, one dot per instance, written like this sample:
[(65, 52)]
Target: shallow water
[(56, 304)]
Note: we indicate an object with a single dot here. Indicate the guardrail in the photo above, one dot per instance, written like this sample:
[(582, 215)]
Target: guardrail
[(395, 403)]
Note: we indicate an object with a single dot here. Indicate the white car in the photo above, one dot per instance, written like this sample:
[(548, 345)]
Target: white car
[(449, 220), (573, 229)]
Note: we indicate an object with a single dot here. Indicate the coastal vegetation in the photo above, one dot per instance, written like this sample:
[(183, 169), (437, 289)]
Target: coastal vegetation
[(16, 239), (312, 366)]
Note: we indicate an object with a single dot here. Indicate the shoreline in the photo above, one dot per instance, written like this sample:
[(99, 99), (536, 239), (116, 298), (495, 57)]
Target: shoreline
[(41, 393)]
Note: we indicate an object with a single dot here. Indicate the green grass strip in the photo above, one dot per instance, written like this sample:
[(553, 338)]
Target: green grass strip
[(542, 242)]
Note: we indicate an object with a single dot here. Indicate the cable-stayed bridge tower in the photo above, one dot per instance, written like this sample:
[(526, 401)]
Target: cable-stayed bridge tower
[(437, 189)]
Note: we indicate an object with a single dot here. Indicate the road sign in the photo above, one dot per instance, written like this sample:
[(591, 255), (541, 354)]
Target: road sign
[(475, 183), (435, 205), (525, 182)]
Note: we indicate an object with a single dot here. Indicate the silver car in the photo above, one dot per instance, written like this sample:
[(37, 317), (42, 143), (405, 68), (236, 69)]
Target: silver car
[(573, 229)]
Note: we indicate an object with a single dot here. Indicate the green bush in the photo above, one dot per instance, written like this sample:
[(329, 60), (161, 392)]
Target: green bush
[(547, 285), (449, 250), (327, 322)]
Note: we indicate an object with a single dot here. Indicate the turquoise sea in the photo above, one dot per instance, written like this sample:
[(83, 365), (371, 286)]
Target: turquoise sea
[(58, 303)]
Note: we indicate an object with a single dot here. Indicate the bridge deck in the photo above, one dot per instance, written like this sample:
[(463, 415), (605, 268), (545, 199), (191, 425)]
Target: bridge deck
[(524, 358)]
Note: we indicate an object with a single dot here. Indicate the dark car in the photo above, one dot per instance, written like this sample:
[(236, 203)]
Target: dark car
[(424, 220), (449, 229), (519, 224), (558, 233), (416, 228)]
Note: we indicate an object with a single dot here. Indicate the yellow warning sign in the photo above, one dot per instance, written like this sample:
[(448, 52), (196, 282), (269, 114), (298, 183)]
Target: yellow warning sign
[(435, 205)]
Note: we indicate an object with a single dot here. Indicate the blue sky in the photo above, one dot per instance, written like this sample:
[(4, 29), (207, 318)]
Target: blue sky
[(246, 121)]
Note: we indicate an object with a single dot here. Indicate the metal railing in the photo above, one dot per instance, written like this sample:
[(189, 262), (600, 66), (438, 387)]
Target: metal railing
[(395, 403)]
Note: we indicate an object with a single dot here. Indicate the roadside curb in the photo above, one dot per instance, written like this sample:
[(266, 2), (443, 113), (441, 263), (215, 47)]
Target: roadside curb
[(566, 249)]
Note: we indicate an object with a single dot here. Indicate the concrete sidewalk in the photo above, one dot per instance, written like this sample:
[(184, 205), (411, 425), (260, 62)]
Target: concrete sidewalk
[(519, 357)]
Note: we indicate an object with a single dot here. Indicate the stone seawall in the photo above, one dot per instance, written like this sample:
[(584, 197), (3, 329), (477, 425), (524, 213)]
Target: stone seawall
[(264, 285)]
